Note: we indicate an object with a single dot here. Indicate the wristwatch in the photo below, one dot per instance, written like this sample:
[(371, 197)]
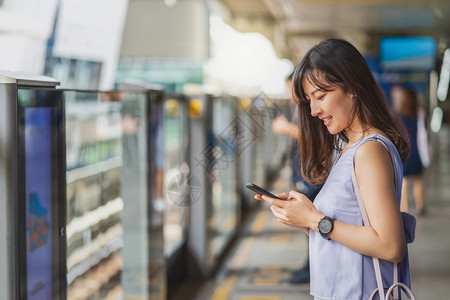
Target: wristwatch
[(326, 226)]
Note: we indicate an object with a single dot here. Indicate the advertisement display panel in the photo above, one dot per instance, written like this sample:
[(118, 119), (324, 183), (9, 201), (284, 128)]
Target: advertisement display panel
[(38, 211), (41, 190)]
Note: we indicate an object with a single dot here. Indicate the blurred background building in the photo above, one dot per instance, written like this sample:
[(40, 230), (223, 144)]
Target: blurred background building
[(243, 47)]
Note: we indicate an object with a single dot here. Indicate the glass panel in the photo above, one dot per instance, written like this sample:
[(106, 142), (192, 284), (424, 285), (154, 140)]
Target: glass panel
[(224, 194), (260, 122), (176, 171), (143, 272), (94, 203), (110, 246), (262, 111)]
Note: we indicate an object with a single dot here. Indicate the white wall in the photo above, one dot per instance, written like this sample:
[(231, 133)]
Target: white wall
[(25, 26), (86, 30), (156, 30), (91, 30)]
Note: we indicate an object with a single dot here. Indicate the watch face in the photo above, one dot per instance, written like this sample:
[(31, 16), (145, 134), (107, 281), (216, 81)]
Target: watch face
[(325, 226)]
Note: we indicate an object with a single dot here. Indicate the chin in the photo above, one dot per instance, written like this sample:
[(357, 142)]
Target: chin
[(332, 131)]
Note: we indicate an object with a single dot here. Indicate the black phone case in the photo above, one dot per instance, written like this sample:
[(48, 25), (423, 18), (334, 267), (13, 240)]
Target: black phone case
[(260, 190)]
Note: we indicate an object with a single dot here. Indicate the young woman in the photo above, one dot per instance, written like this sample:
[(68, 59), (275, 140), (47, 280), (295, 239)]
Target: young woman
[(341, 107)]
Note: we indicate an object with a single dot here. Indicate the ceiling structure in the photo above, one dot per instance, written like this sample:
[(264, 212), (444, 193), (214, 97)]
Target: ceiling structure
[(294, 26)]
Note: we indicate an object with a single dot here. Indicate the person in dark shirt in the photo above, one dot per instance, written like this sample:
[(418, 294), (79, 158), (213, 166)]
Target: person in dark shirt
[(406, 104)]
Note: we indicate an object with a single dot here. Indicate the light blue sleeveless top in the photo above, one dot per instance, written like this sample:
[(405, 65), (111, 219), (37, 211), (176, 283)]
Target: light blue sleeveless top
[(336, 271)]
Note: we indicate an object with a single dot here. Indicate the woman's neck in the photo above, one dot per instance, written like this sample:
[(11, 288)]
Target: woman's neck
[(355, 133), (358, 132)]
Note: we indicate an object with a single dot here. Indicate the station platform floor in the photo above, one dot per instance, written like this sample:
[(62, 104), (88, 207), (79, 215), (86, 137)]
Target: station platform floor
[(266, 251)]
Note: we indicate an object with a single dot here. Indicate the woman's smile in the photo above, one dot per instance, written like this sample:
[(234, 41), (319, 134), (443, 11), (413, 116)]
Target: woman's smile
[(326, 121)]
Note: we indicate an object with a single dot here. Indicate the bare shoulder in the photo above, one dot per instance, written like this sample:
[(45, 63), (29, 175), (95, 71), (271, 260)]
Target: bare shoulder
[(372, 154), (371, 149)]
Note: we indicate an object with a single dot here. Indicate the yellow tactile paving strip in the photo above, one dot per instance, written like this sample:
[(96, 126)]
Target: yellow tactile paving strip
[(223, 291), (259, 222)]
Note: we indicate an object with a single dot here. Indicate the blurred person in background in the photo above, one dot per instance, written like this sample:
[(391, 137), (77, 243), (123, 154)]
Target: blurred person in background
[(282, 126), (406, 105)]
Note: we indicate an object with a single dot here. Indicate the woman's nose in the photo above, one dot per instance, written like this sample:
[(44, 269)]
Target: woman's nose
[(314, 108)]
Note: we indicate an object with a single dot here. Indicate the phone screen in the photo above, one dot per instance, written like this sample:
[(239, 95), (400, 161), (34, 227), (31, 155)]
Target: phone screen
[(260, 190)]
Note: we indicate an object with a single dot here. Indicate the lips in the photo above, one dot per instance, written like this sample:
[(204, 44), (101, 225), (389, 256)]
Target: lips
[(326, 121)]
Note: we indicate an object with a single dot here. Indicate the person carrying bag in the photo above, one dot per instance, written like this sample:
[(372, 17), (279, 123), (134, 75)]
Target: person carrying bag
[(345, 123), (409, 223)]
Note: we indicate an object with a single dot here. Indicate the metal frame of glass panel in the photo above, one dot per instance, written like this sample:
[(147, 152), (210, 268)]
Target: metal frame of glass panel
[(213, 180), (142, 190), (32, 177)]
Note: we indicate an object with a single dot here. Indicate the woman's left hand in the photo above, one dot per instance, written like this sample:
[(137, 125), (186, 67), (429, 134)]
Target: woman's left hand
[(295, 210)]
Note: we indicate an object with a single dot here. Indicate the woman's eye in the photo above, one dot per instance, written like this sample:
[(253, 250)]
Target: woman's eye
[(321, 97)]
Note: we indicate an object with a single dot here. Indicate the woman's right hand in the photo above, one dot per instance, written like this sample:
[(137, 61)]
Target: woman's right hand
[(295, 210)]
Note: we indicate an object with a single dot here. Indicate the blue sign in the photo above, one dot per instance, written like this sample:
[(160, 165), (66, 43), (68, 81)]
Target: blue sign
[(407, 53)]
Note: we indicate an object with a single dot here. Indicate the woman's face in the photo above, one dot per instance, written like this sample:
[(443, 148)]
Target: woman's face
[(332, 107)]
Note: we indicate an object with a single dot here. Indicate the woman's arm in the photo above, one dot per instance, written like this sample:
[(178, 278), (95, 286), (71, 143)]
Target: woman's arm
[(385, 237)]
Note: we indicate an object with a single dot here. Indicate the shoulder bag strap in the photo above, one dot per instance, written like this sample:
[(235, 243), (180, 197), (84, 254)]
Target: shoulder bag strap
[(376, 262)]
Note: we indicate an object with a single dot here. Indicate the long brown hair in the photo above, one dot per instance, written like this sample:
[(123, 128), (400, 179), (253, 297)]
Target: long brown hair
[(337, 63)]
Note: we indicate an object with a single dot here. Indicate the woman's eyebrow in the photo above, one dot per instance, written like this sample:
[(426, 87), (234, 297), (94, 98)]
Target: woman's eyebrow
[(315, 91)]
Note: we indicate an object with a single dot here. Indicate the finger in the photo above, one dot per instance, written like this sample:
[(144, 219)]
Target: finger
[(273, 201), (283, 195), (284, 222), (277, 214), (258, 197), (295, 195)]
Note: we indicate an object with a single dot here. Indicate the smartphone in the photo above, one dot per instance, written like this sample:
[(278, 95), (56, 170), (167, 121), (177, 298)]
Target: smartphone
[(261, 191)]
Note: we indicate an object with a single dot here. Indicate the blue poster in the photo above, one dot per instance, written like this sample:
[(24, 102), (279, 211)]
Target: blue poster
[(38, 193)]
